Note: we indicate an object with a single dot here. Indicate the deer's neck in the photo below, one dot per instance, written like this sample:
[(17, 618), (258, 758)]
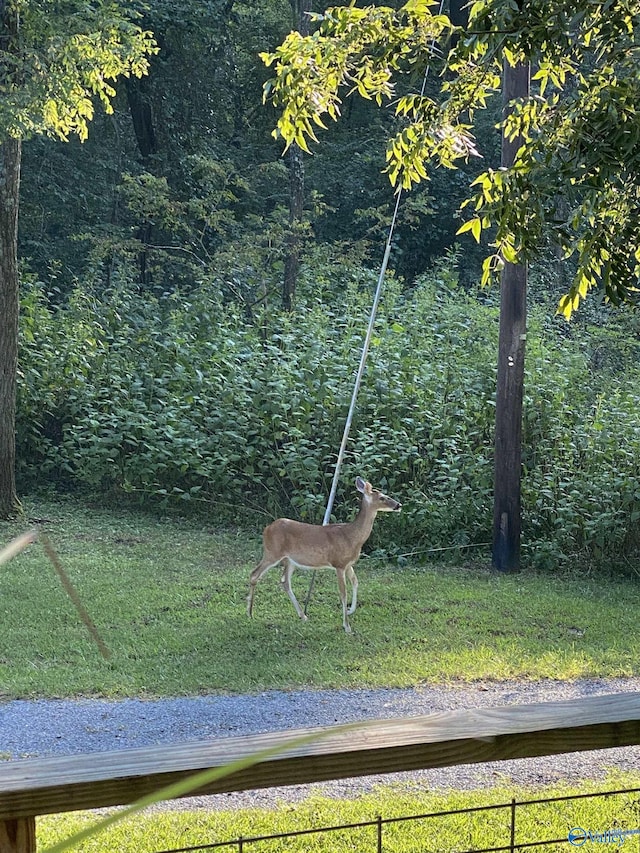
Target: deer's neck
[(363, 522)]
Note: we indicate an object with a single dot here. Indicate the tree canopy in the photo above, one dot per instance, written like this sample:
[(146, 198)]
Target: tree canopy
[(575, 180), (64, 55)]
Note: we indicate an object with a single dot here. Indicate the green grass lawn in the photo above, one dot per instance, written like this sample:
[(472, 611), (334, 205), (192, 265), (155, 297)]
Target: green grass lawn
[(478, 830), (168, 597)]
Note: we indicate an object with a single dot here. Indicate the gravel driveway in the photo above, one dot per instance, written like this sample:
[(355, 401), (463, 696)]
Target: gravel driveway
[(61, 727)]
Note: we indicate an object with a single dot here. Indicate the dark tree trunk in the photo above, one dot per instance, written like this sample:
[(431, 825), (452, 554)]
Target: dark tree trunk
[(295, 162), (511, 350), (9, 303), (139, 100), (141, 117), (10, 150)]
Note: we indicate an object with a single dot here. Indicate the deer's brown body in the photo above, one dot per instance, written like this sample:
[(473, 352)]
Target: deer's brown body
[(313, 546)]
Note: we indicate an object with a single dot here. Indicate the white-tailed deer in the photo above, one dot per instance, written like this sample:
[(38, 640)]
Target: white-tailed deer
[(313, 546)]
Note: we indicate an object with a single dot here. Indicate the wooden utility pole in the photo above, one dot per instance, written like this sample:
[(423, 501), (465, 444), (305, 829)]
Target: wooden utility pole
[(511, 349)]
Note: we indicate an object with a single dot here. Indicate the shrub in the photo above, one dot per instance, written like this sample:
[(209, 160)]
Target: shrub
[(186, 396)]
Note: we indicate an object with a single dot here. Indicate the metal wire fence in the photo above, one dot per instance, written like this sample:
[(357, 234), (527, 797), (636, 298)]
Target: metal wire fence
[(517, 826)]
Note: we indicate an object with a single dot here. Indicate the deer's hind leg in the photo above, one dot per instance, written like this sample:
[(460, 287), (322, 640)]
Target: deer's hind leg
[(287, 571), (263, 566), (342, 587)]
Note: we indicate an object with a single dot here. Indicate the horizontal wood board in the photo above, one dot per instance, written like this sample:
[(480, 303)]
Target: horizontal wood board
[(59, 784)]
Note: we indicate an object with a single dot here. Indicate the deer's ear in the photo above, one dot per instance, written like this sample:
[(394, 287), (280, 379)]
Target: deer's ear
[(363, 486)]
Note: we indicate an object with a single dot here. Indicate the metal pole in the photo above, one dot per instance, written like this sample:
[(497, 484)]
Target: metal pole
[(512, 844)]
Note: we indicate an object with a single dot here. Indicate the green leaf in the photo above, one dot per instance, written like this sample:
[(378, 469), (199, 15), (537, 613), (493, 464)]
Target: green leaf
[(474, 225)]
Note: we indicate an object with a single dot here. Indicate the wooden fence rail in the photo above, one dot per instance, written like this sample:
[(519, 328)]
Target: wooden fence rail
[(33, 787)]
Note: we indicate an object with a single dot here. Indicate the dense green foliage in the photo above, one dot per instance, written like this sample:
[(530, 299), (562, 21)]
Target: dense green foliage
[(187, 397), (155, 359)]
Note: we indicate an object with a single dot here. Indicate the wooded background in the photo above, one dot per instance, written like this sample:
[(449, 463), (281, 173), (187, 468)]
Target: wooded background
[(193, 304)]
